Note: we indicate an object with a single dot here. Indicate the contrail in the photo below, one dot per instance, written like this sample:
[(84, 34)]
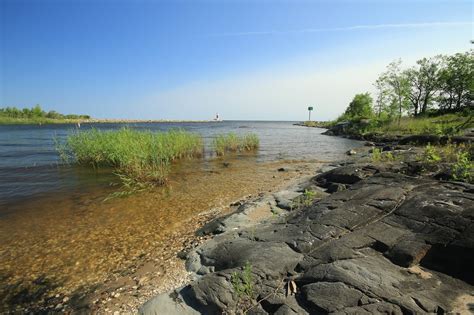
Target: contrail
[(345, 28)]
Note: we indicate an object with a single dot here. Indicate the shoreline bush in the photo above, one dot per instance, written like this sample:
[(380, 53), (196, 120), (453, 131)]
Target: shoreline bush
[(36, 115), (458, 157)]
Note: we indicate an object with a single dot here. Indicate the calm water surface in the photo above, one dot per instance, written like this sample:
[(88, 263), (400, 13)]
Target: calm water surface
[(59, 236), (30, 166)]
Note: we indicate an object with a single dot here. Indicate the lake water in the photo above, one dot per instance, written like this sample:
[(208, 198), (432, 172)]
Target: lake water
[(30, 166), (60, 237)]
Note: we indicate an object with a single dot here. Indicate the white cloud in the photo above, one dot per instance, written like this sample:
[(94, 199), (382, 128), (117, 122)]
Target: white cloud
[(348, 28)]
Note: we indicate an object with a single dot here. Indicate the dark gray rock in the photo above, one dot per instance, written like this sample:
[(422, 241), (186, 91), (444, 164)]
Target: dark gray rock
[(352, 252), (284, 199), (349, 175), (335, 187), (170, 303), (213, 293), (338, 129), (407, 253), (375, 308), (330, 296)]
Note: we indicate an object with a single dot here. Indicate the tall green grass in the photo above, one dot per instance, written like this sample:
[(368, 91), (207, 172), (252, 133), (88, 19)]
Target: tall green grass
[(231, 142), (441, 125), (138, 157)]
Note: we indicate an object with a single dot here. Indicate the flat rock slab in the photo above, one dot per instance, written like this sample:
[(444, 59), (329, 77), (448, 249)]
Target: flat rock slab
[(284, 199), (389, 243)]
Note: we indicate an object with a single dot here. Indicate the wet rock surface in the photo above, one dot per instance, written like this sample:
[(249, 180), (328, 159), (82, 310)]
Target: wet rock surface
[(387, 243)]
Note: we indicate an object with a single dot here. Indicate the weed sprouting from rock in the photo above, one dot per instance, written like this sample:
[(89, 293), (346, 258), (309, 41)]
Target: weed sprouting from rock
[(242, 281)]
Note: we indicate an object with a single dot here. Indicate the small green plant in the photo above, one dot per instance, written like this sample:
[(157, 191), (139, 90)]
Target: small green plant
[(307, 198), (431, 154), (379, 156), (389, 156), (463, 169), (304, 200), (376, 155), (457, 157), (242, 282)]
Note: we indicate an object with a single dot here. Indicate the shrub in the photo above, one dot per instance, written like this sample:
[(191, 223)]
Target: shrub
[(458, 157), (431, 154), (463, 169), (376, 155)]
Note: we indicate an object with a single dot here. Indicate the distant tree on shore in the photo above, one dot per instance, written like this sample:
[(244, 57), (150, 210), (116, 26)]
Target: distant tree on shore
[(424, 82), (360, 107), (443, 83), (457, 81), (36, 112), (396, 83)]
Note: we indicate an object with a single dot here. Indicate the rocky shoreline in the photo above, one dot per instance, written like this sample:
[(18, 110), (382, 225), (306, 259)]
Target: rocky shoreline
[(157, 268), (359, 238), (346, 130)]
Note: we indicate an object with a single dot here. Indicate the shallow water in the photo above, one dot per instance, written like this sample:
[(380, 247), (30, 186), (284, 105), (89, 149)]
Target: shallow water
[(57, 231), (29, 161)]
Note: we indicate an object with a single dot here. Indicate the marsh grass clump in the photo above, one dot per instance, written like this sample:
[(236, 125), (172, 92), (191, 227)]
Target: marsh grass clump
[(250, 142), (139, 158), (231, 142)]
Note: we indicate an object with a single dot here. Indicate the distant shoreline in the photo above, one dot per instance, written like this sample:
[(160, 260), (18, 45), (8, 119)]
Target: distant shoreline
[(19, 121)]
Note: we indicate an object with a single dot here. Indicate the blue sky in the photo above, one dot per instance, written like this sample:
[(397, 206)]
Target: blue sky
[(263, 60)]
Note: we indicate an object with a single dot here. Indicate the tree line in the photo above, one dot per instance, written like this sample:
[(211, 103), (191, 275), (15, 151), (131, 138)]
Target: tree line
[(441, 84), (36, 112)]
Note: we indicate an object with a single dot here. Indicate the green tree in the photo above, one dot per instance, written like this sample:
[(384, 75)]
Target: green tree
[(457, 81), (398, 86), (37, 111), (26, 113), (382, 101), (54, 115), (360, 107), (424, 82)]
